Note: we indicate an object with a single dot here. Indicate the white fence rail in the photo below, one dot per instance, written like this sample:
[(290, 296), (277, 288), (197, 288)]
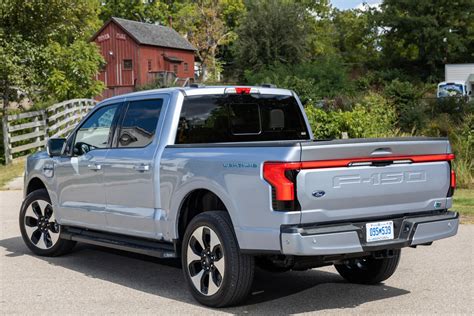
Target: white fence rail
[(30, 130)]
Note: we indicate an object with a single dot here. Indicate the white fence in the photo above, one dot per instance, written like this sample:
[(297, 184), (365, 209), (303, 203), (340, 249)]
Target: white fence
[(30, 130)]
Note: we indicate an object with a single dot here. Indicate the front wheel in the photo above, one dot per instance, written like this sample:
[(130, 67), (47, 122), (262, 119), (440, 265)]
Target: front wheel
[(217, 273), (369, 270), (39, 228)]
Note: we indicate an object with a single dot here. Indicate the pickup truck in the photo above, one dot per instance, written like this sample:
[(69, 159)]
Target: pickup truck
[(229, 178)]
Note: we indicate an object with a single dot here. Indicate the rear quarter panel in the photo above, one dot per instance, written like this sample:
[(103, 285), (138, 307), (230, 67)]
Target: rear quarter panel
[(234, 174)]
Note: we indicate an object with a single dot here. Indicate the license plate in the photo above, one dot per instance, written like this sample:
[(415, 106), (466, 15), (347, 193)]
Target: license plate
[(379, 231)]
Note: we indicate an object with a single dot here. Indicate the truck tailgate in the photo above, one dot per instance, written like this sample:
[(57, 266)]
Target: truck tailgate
[(372, 178)]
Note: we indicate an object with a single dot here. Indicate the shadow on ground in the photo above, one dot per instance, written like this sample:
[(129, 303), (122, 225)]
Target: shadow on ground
[(281, 293)]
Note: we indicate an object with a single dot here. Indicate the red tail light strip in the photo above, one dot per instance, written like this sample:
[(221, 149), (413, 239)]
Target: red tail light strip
[(345, 162), (453, 179), (274, 172)]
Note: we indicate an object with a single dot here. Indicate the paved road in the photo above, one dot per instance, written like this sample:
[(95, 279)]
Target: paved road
[(436, 279)]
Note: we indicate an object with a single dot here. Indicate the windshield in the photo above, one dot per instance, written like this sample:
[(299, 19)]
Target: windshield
[(450, 90)]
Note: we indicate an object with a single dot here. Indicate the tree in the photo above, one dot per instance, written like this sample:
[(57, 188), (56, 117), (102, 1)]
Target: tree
[(273, 31), (356, 38), (208, 25), (40, 41), (152, 11), (422, 35)]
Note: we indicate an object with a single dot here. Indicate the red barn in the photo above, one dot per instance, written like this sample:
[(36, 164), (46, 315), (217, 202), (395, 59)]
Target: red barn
[(138, 53)]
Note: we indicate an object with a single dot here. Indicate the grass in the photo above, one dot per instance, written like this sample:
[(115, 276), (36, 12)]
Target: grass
[(464, 204), (11, 171)]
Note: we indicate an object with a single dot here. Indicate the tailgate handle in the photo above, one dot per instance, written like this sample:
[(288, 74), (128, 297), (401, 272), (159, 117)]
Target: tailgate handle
[(382, 151)]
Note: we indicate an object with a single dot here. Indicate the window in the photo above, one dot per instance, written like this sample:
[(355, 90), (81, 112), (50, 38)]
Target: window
[(149, 64), (240, 118), (103, 67), (96, 131), (186, 67), (139, 123), (127, 64), (245, 119), (175, 68)]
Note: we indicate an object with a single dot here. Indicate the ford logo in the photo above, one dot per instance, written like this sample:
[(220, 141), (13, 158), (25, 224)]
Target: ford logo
[(318, 194)]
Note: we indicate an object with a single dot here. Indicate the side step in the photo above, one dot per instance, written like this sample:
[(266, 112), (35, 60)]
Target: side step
[(122, 242)]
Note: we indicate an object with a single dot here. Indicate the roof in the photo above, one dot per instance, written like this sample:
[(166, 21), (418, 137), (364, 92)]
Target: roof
[(152, 34), (189, 91)]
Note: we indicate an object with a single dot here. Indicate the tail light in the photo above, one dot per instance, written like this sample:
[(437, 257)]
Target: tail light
[(276, 174), (452, 186), (281, 176)]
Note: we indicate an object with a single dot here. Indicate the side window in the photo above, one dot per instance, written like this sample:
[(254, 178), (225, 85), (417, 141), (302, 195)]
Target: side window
[(139, 123), (96, 131)]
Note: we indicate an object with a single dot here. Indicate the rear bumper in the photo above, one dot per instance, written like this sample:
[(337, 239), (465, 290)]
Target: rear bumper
[(345, 238)]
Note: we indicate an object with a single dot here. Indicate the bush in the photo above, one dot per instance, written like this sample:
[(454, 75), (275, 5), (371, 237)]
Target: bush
[(406, 98), (372, 116)]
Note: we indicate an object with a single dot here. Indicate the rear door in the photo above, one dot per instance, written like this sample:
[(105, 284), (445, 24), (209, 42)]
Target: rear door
[(129, 170), (352, 179)]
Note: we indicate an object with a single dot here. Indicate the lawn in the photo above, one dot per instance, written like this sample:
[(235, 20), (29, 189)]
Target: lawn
[(11, 171), (464, 204)]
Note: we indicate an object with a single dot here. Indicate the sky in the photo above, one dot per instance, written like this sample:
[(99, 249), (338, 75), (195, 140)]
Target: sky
[(352, 4)]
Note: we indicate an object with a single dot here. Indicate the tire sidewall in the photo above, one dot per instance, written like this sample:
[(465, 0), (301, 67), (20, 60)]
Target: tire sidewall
[(35, 196)]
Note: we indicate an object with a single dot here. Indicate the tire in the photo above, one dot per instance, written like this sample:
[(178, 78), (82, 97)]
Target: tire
[(369, 270), (39, 228), (221, 276)]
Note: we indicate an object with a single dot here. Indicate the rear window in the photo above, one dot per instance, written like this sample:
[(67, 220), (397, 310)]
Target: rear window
[(240, 118)]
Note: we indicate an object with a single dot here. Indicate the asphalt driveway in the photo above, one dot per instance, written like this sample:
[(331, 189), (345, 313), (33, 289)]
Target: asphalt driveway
[(92, 280)]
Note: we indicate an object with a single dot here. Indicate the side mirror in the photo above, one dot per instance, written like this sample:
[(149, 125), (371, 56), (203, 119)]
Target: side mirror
[(54, 147)]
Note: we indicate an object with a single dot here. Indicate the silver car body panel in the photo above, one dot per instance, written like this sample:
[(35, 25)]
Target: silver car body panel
[(147, 203)]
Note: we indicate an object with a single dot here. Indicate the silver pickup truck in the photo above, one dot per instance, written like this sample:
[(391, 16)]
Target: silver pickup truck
[(231, 177)]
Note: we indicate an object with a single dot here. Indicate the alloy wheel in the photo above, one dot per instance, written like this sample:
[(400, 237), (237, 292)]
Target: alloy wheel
[(40, 225), (205, 260)]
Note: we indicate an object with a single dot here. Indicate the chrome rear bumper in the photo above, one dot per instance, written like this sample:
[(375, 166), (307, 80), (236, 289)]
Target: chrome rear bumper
[(345, 238)]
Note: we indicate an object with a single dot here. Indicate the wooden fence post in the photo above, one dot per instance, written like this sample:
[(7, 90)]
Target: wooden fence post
[(44, 113), (6, 140)]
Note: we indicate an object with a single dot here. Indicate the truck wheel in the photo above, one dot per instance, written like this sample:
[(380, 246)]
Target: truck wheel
[(39, 228), (217, 273), (369, 270)]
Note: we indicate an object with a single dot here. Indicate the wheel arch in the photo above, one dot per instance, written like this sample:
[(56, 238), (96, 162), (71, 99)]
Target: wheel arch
[(34, 184), (197, 201)]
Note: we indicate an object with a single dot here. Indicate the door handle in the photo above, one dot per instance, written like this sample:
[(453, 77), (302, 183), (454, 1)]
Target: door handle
[(141, 167), (94, 167)]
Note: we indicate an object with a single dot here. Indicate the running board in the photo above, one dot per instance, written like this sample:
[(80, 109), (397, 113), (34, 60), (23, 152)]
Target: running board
[(142, 246)]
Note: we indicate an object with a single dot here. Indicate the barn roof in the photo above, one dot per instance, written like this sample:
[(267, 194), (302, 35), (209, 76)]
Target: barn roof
[(152, 34)]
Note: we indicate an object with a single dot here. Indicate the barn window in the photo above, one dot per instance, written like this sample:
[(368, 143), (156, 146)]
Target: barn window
[(175, 69), (127, 64), (149, 64), (186, 69), (103, 66)]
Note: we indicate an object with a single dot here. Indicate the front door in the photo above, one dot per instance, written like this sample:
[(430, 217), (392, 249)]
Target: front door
[(130, 173), (79, 173)]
